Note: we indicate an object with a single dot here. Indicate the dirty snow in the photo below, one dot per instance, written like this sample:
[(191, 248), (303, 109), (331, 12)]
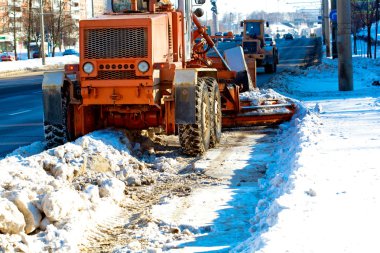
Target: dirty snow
[(320, 194)]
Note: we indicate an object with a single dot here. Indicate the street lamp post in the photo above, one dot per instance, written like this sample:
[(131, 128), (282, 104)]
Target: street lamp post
[(42, 51), (326, 27), (334, 32)]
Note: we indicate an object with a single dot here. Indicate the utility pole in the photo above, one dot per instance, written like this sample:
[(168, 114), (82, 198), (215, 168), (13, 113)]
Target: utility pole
[(344, 46), (14, 29), (29, 26), (326, 24), (42, 33), (333, 31), (377, 25), (215, 21)]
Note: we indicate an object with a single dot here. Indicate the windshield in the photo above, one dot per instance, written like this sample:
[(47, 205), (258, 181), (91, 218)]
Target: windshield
[(253, 29), (142, 5), (126, 5)]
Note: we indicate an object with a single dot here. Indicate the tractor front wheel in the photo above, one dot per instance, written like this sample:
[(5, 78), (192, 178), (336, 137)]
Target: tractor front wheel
[(59, 134), (195, 138), (216, 111)]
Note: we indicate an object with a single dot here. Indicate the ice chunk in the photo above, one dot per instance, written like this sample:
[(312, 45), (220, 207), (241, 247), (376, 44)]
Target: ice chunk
[(31, 214), (59, 204), (11, 219)]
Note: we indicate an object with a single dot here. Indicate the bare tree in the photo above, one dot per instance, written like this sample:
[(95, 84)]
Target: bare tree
[(28, 22), (365, 11), (60, 24), (14, 27), (4, 26), (356, 22)]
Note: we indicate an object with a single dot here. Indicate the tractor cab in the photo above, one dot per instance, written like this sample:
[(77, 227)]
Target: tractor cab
[(256, 50)]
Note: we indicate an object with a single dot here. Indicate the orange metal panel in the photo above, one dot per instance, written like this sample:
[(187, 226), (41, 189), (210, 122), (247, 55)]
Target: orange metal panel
[(177, 36), (169, 116), (249, 119), (117, 95), (240, 120)]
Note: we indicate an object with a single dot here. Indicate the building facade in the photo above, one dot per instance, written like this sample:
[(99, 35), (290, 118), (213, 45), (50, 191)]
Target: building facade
[(15, 19)]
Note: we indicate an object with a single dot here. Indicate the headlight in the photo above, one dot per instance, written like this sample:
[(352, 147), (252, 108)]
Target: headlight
[(143, 66), (88, 67)]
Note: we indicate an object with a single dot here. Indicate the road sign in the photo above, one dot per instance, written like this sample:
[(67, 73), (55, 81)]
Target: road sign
[(333, 16)]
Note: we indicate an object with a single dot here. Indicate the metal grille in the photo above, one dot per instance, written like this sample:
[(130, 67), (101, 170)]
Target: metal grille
[(108, 43), (250, 47), (116, 75)]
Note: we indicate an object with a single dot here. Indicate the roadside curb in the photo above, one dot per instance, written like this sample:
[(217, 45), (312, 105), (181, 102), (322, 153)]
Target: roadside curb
[(6, 74)]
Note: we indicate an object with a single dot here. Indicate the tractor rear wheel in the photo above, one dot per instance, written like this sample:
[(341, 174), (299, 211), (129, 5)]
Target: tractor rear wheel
[(59, 134), (195, 138), (268, 68), (216, 111)]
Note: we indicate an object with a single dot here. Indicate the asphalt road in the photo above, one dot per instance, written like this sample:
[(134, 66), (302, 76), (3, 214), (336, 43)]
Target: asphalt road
[(297, 52), (21, 112)]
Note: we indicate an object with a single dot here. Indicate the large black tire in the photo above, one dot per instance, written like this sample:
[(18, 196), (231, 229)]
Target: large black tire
[(216, 111), (58, 134), (271, 68), (195, 138)]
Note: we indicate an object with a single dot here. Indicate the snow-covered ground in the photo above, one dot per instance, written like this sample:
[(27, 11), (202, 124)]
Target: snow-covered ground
[(321, 194), (11, 68)]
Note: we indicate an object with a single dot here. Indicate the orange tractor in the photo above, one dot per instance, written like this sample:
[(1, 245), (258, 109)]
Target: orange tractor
[(140, 68)]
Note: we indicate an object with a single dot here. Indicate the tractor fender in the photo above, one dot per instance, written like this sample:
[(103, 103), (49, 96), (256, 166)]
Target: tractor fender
[(184, 95), (52, 98)]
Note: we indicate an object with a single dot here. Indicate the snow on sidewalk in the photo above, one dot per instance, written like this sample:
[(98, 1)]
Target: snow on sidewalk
[(323, 197), (12, 68)]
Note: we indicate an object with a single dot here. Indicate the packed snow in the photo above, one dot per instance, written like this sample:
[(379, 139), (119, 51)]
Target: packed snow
[(320, 194)]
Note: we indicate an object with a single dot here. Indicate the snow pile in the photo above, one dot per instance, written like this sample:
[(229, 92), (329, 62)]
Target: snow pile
[(322, 80), (295, 137), (35, 64), (263, 97), (265, 102), (48, 200)]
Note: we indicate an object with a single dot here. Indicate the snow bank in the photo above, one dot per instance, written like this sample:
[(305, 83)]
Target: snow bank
[(51, 198), (52, 63), (322, 80), (291, 216), (295, 137)]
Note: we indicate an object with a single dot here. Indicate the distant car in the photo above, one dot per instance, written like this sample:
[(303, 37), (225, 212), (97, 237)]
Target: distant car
[(227, 34), (288, 36), (269, 41), (219, 34), (7, 56), (36, 54), (238, 37), (70, 52)]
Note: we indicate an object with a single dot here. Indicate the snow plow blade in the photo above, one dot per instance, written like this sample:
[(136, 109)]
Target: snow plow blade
[(254, 116), (255, 107)]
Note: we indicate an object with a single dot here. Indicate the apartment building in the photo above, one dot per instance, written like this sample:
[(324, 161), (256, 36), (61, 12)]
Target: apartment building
[(14, 14)]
